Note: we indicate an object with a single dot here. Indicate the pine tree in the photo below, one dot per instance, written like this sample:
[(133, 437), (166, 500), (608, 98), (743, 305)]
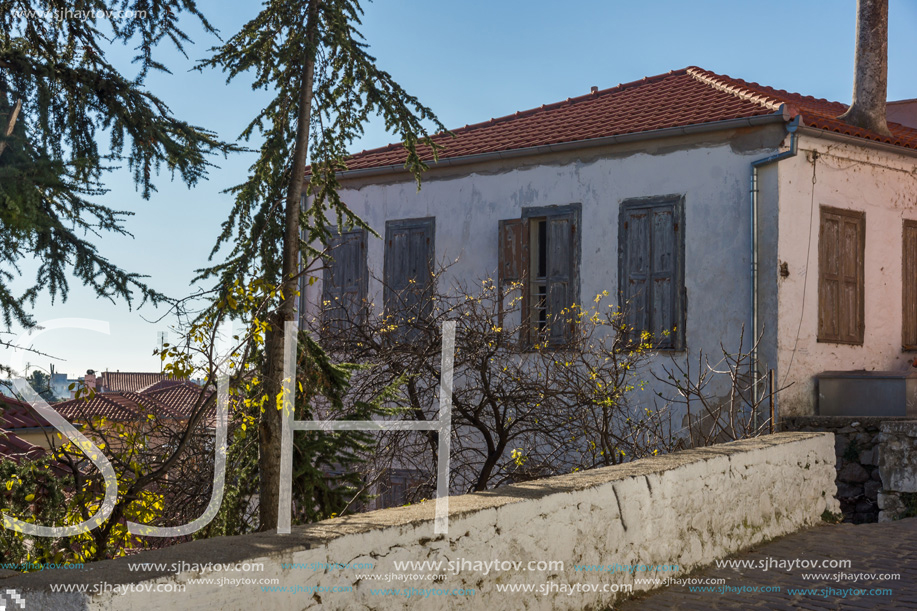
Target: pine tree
[(59, 96), (327, 86)]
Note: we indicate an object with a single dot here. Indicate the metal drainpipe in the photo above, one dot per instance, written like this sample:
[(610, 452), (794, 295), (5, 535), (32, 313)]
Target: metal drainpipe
[(791, 128)]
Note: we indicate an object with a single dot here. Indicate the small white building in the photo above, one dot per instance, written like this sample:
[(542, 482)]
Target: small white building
[(646, 190)]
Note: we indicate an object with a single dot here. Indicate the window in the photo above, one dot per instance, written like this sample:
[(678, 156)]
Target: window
[(841, 286), (909, 286), (409, 259), (651, 274), (344, 285), (541, 250)]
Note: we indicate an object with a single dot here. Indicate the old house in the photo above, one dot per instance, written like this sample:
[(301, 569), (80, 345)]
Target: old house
[(708, 202)]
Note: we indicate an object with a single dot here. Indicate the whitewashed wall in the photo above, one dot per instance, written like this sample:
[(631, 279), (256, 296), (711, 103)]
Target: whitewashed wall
[(712, 174), (688, 509), (884, 186)]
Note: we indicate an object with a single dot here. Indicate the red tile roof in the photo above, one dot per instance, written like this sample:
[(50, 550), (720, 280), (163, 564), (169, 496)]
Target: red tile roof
[(116, 381), (16, 449), (118, 406), (164, 400), (103, 405), (181, 397), (16, 414), (159, 385), (691, 96)]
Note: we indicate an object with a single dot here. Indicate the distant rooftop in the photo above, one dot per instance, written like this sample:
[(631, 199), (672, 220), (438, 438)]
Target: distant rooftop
[(130, 381)]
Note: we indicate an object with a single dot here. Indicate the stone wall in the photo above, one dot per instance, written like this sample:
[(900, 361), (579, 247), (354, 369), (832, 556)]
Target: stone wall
[(876, 464), (687, 509), (856, 448), (898, 469)]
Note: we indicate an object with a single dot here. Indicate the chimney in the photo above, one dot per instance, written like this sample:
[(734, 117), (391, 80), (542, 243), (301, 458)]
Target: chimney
[(870, 77), (593, 89)]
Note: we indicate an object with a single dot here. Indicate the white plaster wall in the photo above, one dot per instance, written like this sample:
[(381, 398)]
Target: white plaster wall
[(688, 508), (884, 185), (713, 177)]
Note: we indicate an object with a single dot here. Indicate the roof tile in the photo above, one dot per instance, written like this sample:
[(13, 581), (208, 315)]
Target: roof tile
[(115, 381), (679, 98)]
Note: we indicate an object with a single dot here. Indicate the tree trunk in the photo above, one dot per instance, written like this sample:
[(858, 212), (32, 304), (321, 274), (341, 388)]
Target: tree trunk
[(11, 124), (271, 420), (870, 77)]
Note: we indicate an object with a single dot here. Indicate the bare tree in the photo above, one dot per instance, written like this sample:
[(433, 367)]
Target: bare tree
[(721, 400), (523, 407)]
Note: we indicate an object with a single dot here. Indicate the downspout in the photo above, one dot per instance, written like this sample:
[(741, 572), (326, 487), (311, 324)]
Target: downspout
[(791, 128)]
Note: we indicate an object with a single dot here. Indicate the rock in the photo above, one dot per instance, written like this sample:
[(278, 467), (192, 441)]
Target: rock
[(853, 473), (864, 439), (847, 490), (866, 507), (876, 476), (871, 489), (840, 444), (869, 457), (890, 502)]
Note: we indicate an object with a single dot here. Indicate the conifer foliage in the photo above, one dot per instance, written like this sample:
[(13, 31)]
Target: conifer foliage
[(60, 97), (311, 55)]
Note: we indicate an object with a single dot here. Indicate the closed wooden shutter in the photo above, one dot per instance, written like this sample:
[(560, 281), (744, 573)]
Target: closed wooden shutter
[(634, 281), (409, 258), (345, 279), (651, 272), (841, 277), (909, 286), (561, 233)]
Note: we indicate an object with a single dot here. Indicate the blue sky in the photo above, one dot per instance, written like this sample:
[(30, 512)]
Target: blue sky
[(469, 61)]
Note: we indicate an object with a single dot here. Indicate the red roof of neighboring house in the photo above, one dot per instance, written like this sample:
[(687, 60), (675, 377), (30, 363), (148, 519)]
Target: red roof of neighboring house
[(119, 406), (164, 383), (173, 400), (16, 414), (181, 397), (691, 96), (116, 381), (16, 449)]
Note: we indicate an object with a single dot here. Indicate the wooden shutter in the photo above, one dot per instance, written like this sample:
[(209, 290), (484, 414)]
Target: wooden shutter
[(635, 272), (841, 278), (345, 279), (909, 286), (663, 285), (651, 272), (513, 265), (561, 233), (409, 255), (513, 251)]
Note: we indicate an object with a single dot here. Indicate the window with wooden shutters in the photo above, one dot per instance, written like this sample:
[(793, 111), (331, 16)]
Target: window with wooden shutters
[(841, 282), (409, 259), (909, 286), (651, 269), (345, 280), (541, 250)]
